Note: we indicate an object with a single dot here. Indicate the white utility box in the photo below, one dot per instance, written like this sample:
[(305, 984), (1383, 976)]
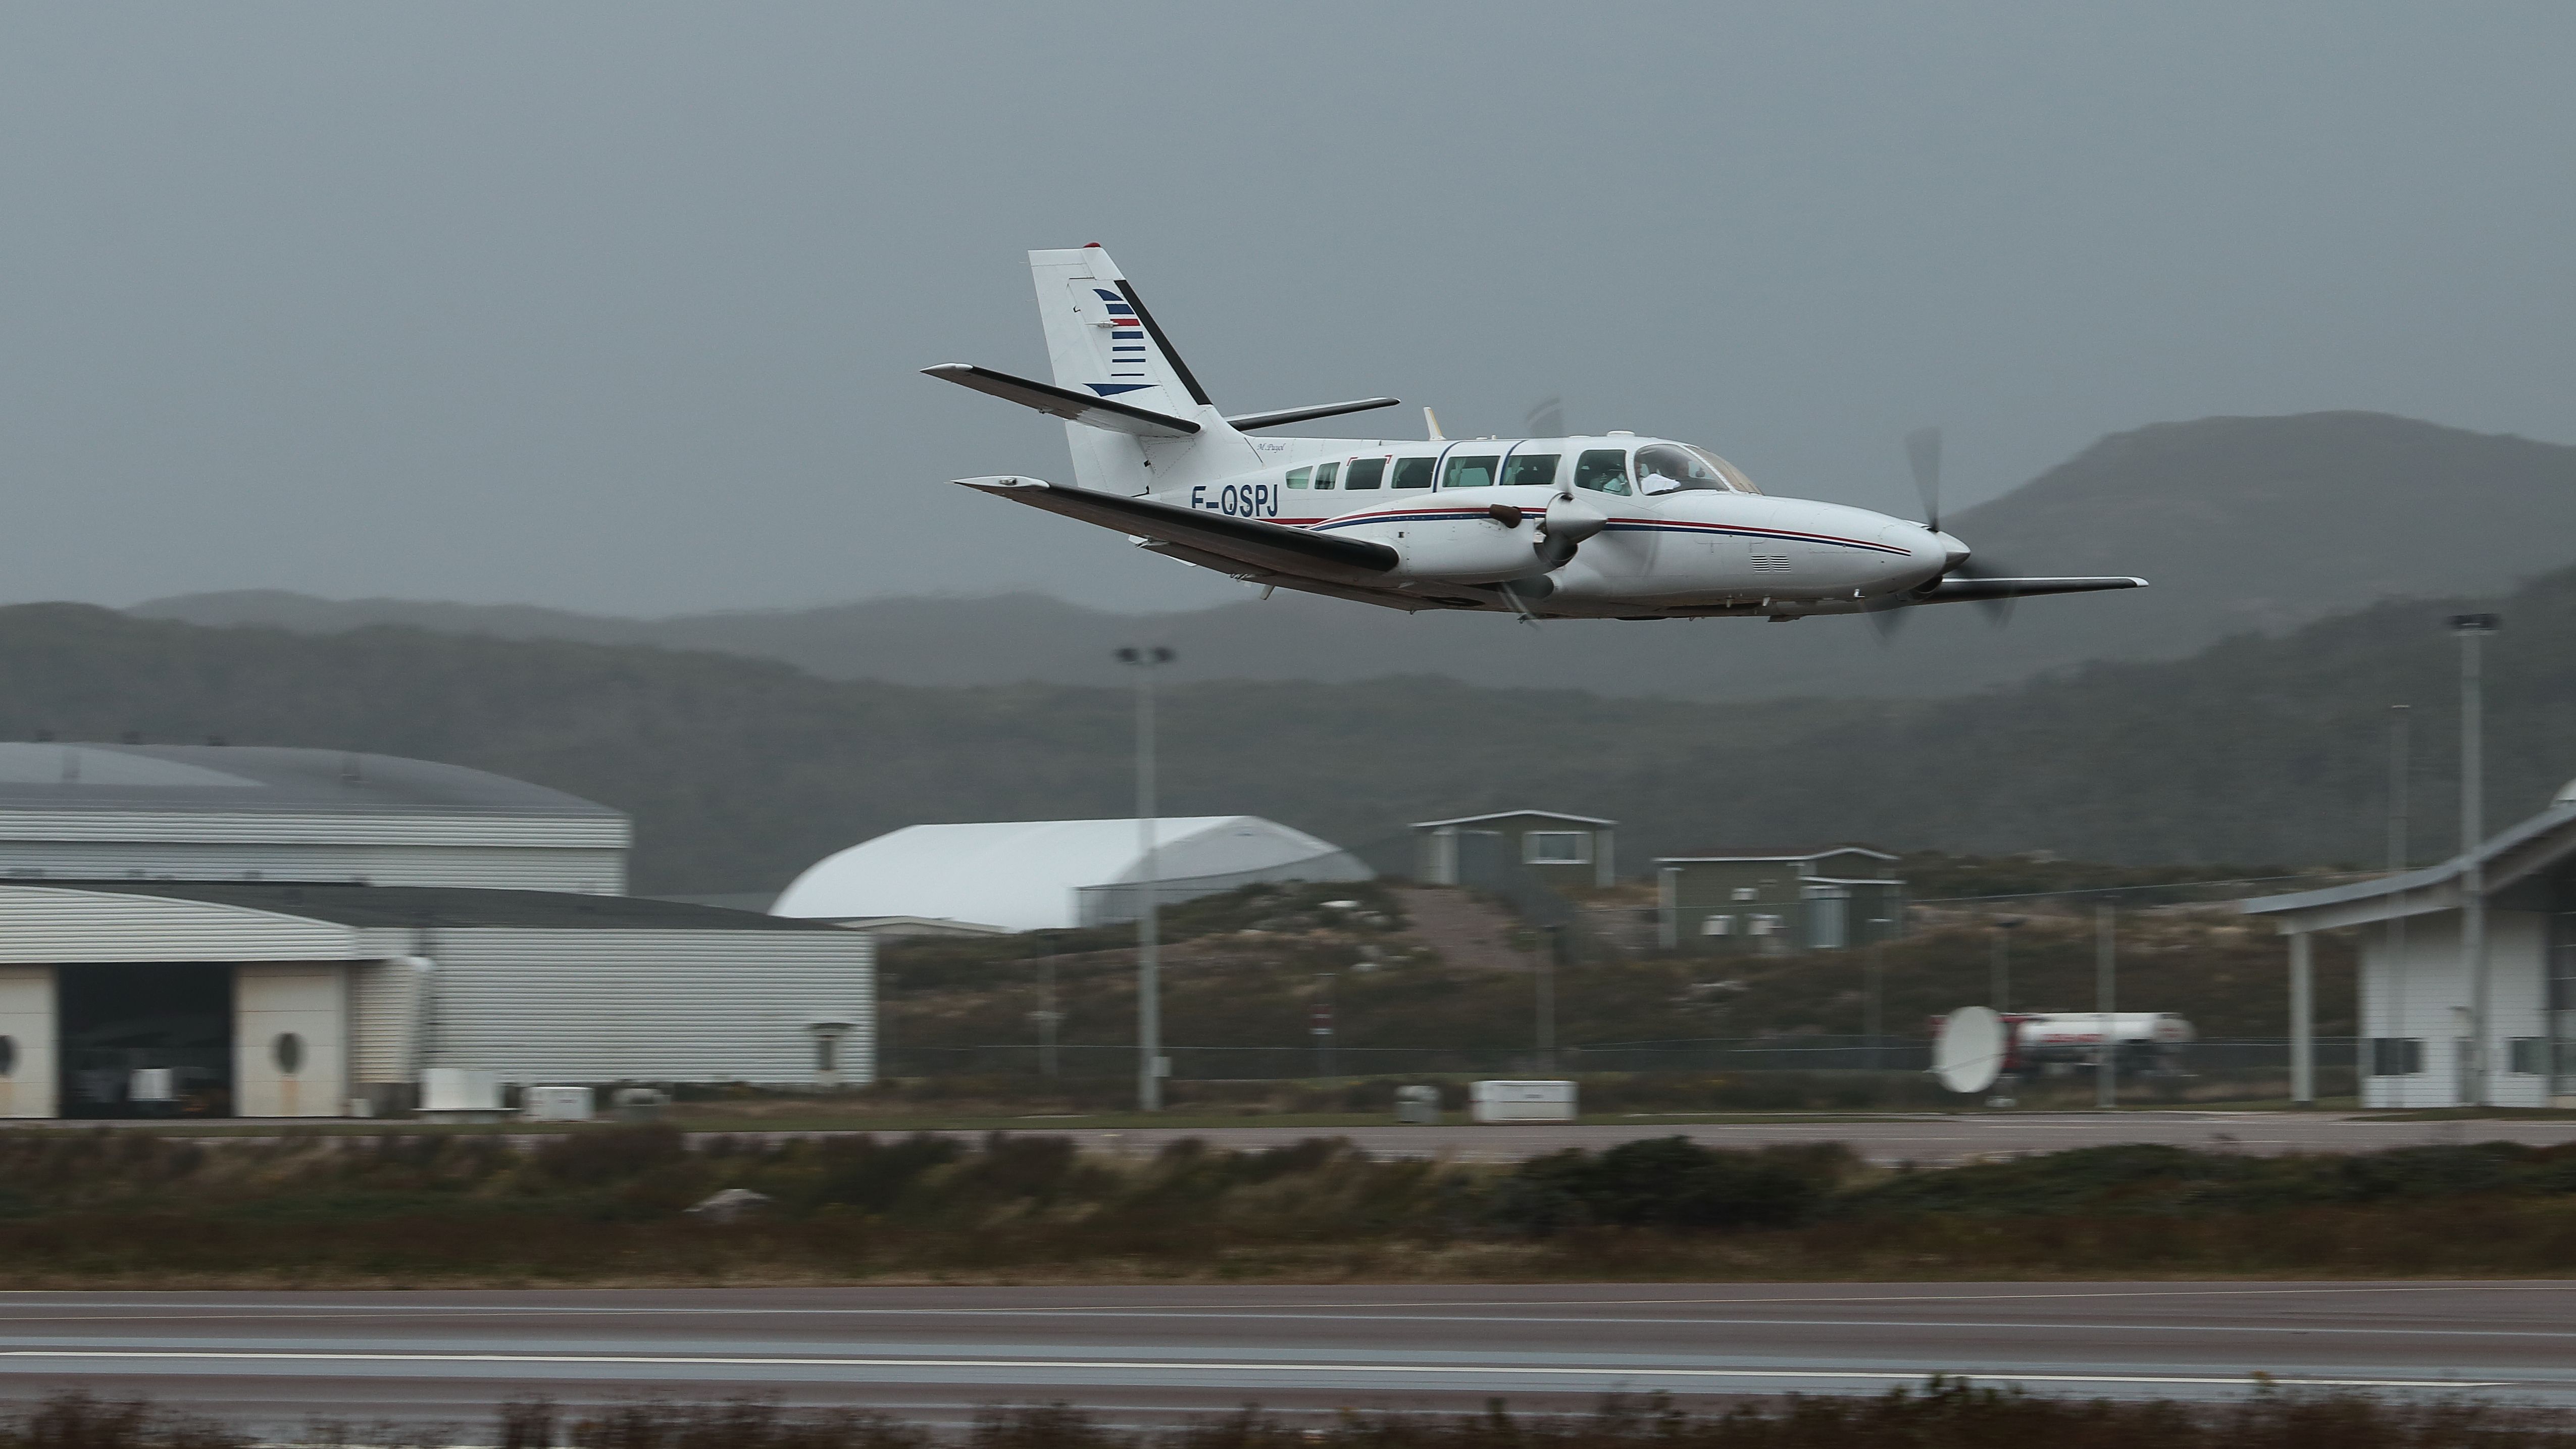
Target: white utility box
[(460, 1094), (152, 1084), (1419, 1106), (1520, 1102), (556, 1104)]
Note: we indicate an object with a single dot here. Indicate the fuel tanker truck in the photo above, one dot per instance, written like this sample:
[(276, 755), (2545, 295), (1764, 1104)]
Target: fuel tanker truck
[(2148, 1042)]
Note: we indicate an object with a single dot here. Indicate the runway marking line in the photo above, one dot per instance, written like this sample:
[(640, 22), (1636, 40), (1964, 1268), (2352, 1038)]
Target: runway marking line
[(1283, 1309), (1149, 1315), (1218, 1366)]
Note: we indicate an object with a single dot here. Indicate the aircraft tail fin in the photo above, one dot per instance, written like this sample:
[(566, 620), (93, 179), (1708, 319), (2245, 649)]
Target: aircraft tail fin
[(1102, 342)]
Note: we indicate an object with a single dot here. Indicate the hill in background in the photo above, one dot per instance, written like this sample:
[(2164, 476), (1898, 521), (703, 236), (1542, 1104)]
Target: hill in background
[(741, 772), (2241, 524)]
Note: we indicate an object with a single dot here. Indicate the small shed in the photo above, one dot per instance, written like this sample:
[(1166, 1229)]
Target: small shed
[(1778, 899), (1561, 850)]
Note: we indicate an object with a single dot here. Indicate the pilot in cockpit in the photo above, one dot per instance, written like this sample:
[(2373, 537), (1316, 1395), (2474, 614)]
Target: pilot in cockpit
[(1675, 468)]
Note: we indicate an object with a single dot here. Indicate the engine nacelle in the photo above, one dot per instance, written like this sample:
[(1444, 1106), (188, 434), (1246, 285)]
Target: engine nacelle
[(1461, 550)]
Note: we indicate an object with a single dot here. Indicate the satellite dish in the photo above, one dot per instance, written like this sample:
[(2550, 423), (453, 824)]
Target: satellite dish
[(1969, 1053)]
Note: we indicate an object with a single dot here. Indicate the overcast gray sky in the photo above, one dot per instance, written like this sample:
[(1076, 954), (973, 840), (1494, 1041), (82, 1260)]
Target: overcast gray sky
[(618, 306)]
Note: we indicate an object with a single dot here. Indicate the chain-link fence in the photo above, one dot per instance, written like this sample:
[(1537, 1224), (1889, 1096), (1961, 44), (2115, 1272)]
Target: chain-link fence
[(2246, 1057)]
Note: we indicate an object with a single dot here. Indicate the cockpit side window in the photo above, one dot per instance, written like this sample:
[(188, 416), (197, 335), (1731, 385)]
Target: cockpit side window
[(1530, 470), (1324, 474), (1363, 473), (1465, 472), (1603, 470), (1413, 472), (1297, 476), (1733, 475), (1671, 468)]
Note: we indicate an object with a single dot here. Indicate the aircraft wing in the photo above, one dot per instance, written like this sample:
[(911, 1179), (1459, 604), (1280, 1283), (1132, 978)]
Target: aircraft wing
[(1953, 591), (1258, 546)]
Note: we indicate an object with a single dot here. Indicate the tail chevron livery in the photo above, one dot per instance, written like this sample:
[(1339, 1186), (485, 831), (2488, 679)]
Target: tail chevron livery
[(1135, 416)]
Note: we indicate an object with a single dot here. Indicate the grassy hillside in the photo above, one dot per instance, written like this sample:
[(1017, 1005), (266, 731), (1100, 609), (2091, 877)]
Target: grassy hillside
[(740, 772), (2242, 524)]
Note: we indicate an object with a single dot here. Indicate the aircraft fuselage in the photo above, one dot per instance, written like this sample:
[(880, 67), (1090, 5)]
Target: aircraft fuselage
[(1474, 512)]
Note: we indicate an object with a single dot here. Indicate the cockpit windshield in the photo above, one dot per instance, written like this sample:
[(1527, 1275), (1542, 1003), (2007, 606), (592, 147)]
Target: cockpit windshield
[(1680, 468)]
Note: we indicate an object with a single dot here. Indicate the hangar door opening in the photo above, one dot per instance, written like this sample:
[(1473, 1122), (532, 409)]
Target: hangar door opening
[(146, 1040)]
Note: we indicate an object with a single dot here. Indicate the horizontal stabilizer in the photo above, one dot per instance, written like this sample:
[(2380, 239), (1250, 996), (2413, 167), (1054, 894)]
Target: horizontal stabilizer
[(1285, 416), (1064, 402), (1953, 591), (1247, 540)]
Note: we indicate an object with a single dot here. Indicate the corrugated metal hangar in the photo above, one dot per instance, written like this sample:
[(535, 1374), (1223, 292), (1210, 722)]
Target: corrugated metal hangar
[(305, 933)]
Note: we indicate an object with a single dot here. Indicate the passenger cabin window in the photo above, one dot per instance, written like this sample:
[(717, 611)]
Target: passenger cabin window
[(1604, 470), (1297, 476), (1413, 472), (1530, 470), (1468, 472), (1670, 468), (1324, 474), (1363, 473)]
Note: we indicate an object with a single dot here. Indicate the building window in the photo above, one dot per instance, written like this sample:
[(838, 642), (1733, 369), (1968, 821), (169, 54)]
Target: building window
[(2527, 1056), (2396, 1056), (1745, 893), (8, 1056), (1764, 926), (288, 1052), (1556, 847), (1717, 926), (827, 1051)]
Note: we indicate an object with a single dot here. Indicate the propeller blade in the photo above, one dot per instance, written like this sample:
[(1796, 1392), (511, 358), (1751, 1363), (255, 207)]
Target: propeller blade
[(1998, 610), (1888, 620), (1923, 450)]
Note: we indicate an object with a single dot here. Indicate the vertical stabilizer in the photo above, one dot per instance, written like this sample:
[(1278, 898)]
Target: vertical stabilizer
[(1102, 341)]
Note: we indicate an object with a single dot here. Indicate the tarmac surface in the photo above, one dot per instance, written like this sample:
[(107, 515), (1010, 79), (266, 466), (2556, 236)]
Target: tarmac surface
[(275, 1360)]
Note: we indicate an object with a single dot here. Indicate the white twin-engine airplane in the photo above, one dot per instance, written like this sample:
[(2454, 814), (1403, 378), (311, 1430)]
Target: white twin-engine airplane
[(1615, 526)]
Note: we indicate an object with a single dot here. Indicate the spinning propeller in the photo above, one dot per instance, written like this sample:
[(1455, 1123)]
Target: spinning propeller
[(1923, 452)]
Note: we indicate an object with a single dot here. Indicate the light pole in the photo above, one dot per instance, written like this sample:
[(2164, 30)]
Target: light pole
[(2473, 629), (1873, 1018), (2400, 782), (1551, 942), (1149, 960), (1047, 1017), (2106, 1085), (1323, 1029), (2002, 984)]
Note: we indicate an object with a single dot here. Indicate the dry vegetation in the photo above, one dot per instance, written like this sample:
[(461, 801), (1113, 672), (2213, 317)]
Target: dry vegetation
[(1944, 1414), (609, 1207)]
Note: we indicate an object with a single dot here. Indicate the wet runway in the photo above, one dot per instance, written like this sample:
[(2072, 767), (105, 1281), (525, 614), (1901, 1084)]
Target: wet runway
[(1145, 1355)]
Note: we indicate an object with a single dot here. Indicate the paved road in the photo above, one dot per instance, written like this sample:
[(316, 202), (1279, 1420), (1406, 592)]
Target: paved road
[(1929, 1140), (1142, 1355)]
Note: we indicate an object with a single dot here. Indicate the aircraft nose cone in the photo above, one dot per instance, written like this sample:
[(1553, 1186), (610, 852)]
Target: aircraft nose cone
[(1953, 552)]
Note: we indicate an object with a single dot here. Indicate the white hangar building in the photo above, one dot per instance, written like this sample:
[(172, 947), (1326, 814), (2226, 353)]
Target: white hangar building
[(303, 933), (2418, 991), (218, 812), (1036, 875)]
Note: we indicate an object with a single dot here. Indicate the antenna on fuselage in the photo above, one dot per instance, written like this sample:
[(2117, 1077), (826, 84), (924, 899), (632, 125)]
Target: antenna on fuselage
[(1431, 425)]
